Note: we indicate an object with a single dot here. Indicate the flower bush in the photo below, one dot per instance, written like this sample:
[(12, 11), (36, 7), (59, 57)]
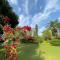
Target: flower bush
[(11, 51), (24, 34), (8, 39), (6, 19), (12, 38)]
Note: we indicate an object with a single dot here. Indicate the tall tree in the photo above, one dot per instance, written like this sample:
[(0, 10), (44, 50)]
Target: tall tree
[(6, 10), (36, 30), (53, 26)]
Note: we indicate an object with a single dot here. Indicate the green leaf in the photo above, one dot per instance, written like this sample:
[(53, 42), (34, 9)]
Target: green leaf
[(9, 42)]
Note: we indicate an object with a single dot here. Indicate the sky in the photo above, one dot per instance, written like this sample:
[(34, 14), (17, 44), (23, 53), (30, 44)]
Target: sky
[(32, 12)]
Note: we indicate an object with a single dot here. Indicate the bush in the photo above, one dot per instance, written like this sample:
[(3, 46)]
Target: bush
[(39, 39), (28, 39), (55, 42)]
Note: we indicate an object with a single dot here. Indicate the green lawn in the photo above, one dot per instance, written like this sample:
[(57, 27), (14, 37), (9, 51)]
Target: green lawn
[(42, 51), (50, 52), (28, 52)]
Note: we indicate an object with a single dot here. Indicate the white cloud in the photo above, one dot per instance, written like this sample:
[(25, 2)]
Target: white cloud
[(23, 20), (36, 1), (15, 2), (41, 30), (59, 19), (51, 6), (25, 7), (39, 17)]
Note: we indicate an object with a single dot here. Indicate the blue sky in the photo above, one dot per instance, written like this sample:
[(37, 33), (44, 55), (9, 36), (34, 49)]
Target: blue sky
[(32, 12)]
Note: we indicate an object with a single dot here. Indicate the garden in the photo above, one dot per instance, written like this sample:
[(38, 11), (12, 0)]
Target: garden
[(21, 43)]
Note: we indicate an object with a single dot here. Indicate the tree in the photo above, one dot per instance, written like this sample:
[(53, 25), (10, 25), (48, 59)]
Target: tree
[(53, 26), (6, 10), (47, 34), (36, 30)]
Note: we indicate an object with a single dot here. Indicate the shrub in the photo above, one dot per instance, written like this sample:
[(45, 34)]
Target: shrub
[(28, 39), (39, 39)]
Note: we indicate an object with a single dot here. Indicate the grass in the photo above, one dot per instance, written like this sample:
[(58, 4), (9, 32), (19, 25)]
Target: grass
[(55, 42), (50, 52), (43, 51), (29, 52)]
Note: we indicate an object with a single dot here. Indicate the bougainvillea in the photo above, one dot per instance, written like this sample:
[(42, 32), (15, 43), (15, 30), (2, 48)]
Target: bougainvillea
[(8, 32), (18, 28), (7, 28), (1, 40), (12, 37), (11, 52), (27, 28), (6, 19), (10, 47)]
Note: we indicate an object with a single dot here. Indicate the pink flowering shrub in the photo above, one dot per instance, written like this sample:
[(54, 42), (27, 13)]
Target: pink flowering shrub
[(12, 38)]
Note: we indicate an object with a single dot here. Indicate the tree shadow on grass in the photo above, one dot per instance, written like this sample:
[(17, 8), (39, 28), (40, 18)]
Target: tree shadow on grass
[(29, 52)]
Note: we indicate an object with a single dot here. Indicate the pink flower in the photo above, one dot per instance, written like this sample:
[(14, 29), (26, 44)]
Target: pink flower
[(26, 28), (18, 28), (7, 28), (0, 38), (6, 19), (5, 47), (13, 46)]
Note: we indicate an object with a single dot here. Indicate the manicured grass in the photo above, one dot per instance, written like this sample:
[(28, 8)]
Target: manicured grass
[(28, 51), (43, 51), (50, 52)]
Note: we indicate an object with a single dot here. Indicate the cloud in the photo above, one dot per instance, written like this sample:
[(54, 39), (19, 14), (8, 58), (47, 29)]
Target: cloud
[(15, 2), (38, 18), (59, 19), (36, 1), (25, 7), (41, 30), (51, 7), (23, 20), (51, 4)]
